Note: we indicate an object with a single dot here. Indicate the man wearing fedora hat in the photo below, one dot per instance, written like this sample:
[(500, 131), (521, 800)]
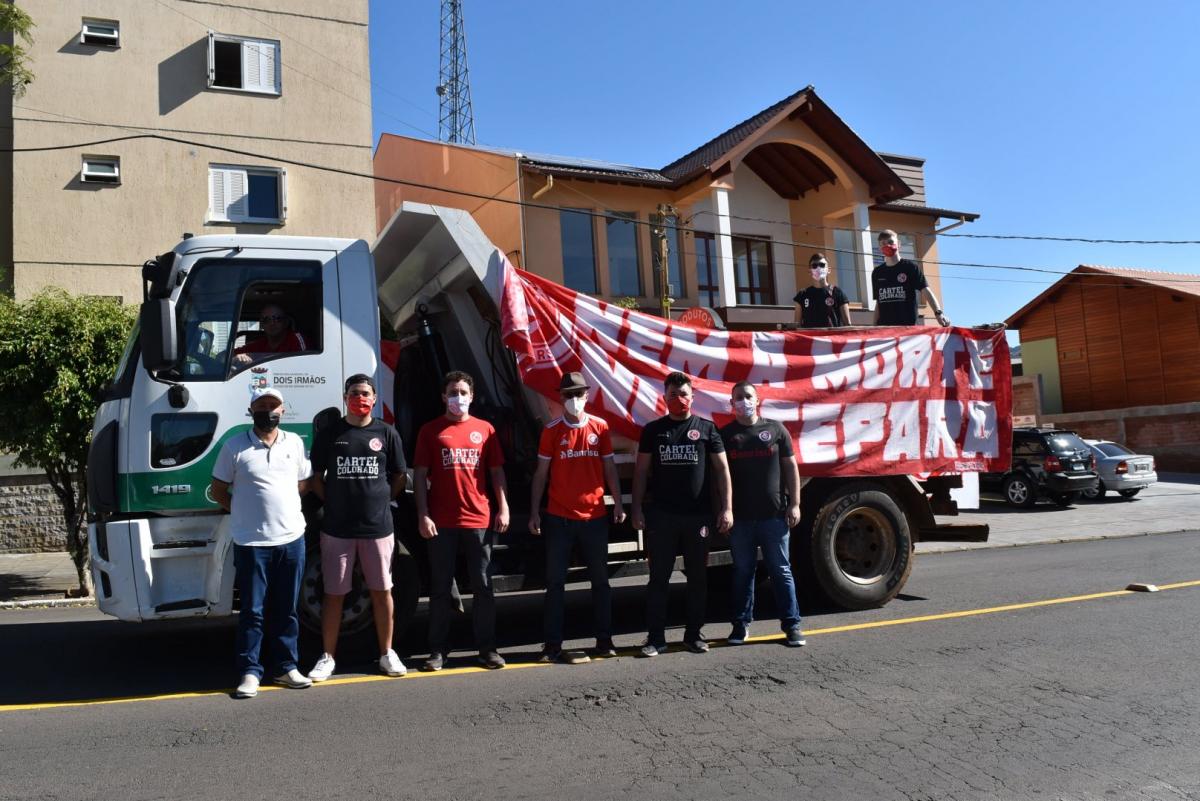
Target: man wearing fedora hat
[(575, 457), (258, 478)]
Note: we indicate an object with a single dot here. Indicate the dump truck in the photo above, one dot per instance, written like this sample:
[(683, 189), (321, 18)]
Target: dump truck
[(160, 545)]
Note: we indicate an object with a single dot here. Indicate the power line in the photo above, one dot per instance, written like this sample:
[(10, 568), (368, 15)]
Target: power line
[(508, 201)]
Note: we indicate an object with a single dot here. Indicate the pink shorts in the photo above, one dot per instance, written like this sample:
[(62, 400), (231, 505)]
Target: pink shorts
[(374, 557)]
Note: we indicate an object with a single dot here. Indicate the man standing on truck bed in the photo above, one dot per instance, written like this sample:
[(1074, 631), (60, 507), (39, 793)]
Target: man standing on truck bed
[(677, 454), (358, 469), (766, 506), (897, 285), (259, 477), (576, 455), (457, 454)]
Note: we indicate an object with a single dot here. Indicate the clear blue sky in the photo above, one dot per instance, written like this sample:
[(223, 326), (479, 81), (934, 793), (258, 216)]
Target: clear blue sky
[(1047, 118)]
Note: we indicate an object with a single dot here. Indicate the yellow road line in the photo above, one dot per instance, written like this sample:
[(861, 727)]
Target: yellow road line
[(904, 621)]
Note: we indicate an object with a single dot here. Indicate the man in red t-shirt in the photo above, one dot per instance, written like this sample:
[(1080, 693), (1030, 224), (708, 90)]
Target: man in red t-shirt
[(455, 457), (278, 336), (576, 456)]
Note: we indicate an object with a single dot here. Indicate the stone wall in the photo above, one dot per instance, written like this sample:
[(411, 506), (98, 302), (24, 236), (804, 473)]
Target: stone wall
[(31, 518), (1171, 434)]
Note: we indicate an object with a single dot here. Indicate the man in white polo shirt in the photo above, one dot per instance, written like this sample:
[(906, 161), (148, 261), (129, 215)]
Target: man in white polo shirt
[(259, 477)]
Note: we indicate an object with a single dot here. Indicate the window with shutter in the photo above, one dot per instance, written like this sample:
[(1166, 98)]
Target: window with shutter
[(246, 194), (243, 64)]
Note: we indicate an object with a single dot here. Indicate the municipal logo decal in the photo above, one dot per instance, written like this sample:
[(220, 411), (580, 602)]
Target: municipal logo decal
[(693, 435), (765, 436), (476, 437), (376, 444)]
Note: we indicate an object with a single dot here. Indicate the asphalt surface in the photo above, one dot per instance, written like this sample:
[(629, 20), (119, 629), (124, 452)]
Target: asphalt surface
[(1094, 697)]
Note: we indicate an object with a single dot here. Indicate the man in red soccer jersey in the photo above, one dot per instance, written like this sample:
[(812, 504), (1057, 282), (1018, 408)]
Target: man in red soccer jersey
[(456, 456), (576, 456)]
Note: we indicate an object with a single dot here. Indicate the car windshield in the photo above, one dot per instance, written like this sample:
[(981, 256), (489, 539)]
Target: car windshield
[(1065, 442), (1112, 449)]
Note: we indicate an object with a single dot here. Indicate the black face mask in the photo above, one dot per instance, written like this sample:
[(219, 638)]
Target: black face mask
[(265, 421)]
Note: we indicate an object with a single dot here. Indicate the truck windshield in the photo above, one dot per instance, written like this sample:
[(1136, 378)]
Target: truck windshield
[(237, 312)]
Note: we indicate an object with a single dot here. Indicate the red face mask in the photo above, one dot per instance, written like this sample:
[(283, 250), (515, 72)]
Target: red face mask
[(360, 406), (889, 250), (679, 405)]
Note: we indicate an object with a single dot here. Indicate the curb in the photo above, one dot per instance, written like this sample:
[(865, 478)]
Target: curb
[(39, 603), (985, 546)]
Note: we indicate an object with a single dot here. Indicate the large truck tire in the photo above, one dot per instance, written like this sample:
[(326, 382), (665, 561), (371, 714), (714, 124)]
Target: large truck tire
[(860, 547)]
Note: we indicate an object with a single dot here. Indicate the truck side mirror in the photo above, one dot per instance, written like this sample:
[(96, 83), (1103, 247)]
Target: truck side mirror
[(159, 336)]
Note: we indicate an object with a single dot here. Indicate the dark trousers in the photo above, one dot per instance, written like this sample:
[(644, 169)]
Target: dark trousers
[(667, 534), (443, 552), (560, 534), (268, 582)]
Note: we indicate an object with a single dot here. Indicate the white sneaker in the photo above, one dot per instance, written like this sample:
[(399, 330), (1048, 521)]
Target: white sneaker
[(248, 688), (293, 680), (323, 669), (390, 664)]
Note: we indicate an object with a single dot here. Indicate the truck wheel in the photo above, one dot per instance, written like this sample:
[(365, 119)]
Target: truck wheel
[(861, 547), (1127, 494), (356, 610), (1019, 491)]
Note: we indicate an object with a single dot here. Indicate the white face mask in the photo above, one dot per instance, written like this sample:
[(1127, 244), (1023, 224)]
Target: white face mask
[(458, 404), (574, 406), (819, 273), (745, 407)]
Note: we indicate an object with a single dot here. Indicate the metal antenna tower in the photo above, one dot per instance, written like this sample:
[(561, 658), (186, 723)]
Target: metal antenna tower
[(456, 122)]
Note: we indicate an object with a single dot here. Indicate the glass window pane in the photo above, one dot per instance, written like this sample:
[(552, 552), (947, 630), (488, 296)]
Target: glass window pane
[(176, 439), (624, 277), (846, 263), (102, 167), (227, 64), (706, 270), (264, 195), (578, 251)]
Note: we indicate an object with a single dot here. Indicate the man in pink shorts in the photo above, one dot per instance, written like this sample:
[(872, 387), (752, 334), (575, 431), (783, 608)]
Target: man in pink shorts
[(358, 469)]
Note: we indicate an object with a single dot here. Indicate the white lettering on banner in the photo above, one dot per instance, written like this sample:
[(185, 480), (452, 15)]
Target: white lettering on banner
[(461, 457), (862, 423), (950, 345), (904, 432), (836, 370), (358, 466), (879, 364), (769, 360), (944, 421), (982, 353), (916, 356), (981, 438), (818, 432)]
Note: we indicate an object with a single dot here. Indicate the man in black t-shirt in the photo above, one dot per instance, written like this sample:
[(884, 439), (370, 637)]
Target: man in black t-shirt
[(897, 285), (680, 455), (821, 305), (358, 469), (766, 506)]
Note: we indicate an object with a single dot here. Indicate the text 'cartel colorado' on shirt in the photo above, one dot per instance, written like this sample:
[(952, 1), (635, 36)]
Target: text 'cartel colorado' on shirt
[(679, 454)]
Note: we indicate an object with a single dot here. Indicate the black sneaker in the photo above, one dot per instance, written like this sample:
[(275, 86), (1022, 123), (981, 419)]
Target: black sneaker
[(696, 646), (491, 660), (738, 635), (795, 637), (434, 662), (605, 649)]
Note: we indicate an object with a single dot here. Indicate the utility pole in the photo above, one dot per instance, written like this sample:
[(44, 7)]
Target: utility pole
[(665, 210), (456, 121)]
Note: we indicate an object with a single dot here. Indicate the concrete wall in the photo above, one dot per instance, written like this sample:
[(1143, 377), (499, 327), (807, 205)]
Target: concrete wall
[(92, 238), (31, 518), (1169, 433)]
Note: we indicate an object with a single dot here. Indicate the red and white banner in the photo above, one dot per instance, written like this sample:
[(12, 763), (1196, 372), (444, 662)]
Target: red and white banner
[(878, 401)]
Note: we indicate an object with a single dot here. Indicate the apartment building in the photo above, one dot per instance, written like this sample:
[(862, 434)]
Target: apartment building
[(754, 203), (242, 85)]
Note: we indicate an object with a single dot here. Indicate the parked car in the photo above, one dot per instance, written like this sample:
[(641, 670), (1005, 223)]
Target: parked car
[(1046, 463), (1121, 470)]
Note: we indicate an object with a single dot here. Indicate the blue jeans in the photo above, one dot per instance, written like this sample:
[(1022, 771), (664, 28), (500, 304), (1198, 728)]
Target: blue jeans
[(268, 581), (745, 539), (560, 534)]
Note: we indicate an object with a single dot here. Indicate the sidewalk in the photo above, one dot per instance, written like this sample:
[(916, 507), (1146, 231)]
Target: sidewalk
[(1173, 504)]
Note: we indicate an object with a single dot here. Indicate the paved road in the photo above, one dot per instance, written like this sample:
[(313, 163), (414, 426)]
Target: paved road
[(1091, 698)]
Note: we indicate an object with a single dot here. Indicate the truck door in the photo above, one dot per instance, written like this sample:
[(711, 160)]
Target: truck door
[(257, 318)]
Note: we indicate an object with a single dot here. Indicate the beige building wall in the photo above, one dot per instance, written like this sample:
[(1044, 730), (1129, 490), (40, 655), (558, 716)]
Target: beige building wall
[(92, 238)]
